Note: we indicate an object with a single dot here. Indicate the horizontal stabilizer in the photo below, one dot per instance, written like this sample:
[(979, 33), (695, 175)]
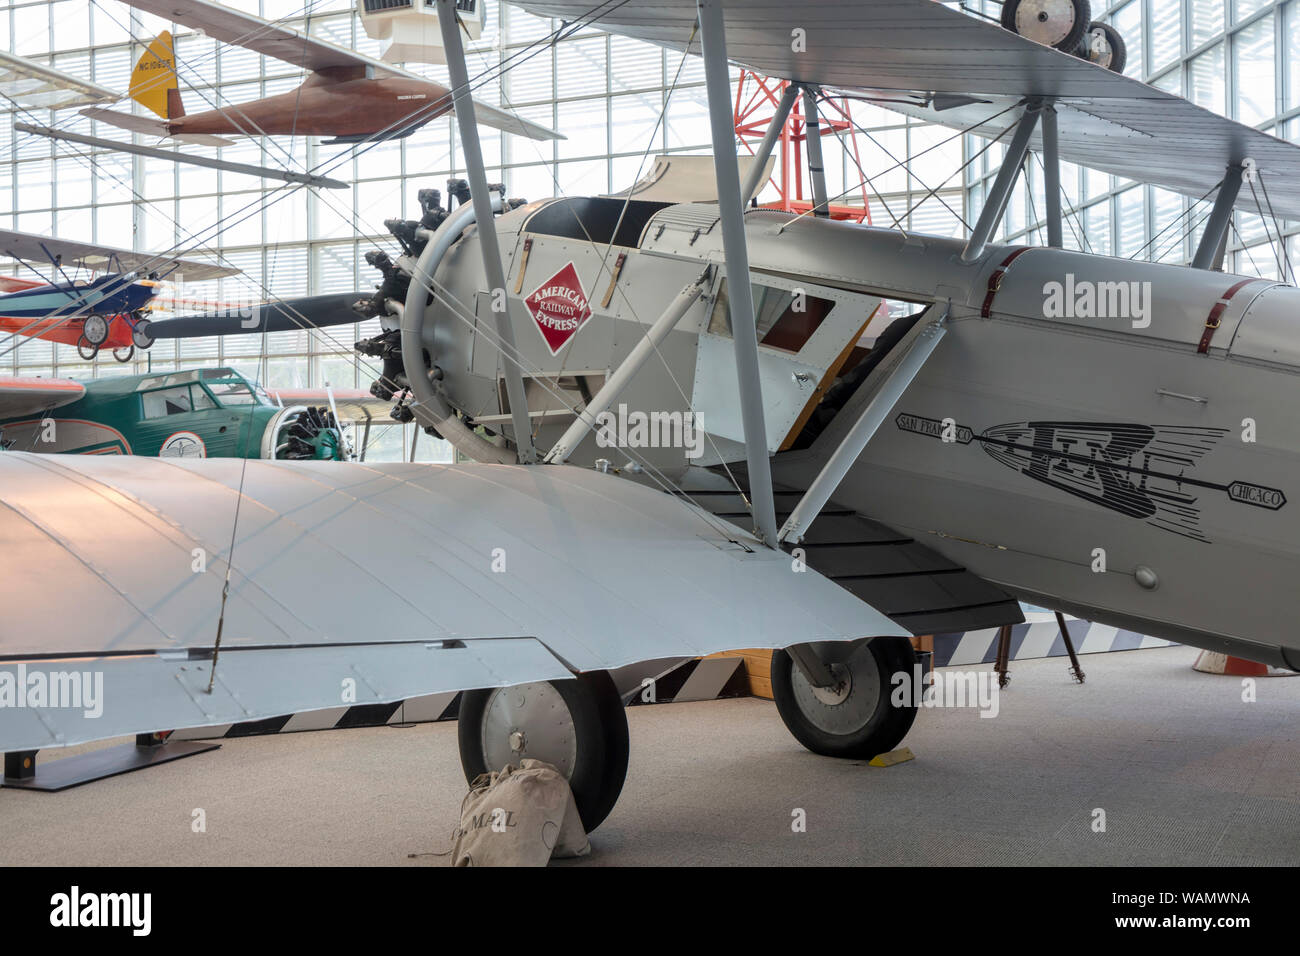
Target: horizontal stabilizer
[(510, 123), (151, 127)]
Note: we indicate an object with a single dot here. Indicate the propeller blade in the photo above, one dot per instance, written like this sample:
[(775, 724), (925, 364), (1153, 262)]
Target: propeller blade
[(286, 315)]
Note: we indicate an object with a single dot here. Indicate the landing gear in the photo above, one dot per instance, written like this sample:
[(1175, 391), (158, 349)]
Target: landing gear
[(1058, 23), (853, 717), (578, 726), (124, 354), (95, 330), (1103, 45), (86, 349), (140, 336)]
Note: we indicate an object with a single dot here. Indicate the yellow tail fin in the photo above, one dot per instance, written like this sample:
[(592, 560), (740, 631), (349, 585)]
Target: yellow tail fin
[(153, 81)]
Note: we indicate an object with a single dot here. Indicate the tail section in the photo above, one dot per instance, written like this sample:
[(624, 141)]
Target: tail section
[(154, 83)]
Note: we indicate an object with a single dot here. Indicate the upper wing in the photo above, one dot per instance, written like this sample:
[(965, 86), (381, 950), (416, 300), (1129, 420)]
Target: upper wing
[(32, 84), (1107, 121), (28, 396), (33, 248), (393, 579)]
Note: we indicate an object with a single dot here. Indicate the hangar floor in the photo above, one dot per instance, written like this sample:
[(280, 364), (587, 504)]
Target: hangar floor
[(1186, 773)]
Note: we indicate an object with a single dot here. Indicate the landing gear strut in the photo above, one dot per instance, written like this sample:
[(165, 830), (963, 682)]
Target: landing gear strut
[(578, 726), (853, 715)]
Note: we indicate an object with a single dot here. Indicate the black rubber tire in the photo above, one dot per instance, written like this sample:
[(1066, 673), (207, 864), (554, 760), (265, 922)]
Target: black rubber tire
[(883, 731), (86, 350), (1070, 42), (130, 353), (1118, 49), (600, 723)]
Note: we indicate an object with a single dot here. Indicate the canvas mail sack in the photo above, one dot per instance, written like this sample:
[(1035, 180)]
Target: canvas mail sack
[(521, 816)]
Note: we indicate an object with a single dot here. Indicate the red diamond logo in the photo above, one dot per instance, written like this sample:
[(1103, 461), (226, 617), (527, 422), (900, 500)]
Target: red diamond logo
[(559, 307)]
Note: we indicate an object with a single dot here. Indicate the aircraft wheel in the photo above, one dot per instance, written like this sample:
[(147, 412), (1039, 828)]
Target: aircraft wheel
[(578, 726), (95, 330), (1103, 45), (856, 717), (140, 336), (86, 350), (124, 354), (1058, 23)]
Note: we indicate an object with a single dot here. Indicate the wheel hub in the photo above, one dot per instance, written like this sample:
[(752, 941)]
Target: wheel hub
[(848, 704), (1045, 21), (838, 692), (530, 720)]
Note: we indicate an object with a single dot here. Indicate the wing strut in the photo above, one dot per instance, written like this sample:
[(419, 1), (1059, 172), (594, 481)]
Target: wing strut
[(744, 328), (816, 171), (495, 272), (895, 383), (1216, 227), (590, 415), (1052, 177), (995, 203), (754, 181)]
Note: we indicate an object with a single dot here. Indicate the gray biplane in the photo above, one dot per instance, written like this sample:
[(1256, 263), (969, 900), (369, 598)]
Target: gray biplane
[(986, 450)]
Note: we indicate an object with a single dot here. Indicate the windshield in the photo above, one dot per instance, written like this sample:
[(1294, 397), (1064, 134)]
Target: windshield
[(233, 392)]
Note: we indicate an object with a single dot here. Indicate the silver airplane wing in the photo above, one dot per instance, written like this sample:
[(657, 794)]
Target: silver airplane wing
[(921, 48), (37, 85), (384, 581)]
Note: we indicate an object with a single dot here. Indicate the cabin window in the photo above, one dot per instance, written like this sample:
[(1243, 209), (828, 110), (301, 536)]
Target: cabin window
[(167, 401), (785, 320)]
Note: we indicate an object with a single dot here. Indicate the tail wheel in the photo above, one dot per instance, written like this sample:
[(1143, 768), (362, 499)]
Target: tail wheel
[(124, 354), (308, 433), (855, 718), (1103, 45), (95, 330), (578, 726), (1057, 23), (86, 349)]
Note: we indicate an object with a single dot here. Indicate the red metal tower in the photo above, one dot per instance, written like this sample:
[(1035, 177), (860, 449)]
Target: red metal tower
[(756, 102)]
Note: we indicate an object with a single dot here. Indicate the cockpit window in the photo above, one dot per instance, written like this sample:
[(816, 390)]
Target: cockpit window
[(786, 319), (167, 401)]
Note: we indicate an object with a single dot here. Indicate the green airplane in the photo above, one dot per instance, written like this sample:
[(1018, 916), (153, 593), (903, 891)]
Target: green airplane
[(194, 413)]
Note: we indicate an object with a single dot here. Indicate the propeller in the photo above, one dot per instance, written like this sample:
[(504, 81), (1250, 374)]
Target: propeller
[(286, 315)]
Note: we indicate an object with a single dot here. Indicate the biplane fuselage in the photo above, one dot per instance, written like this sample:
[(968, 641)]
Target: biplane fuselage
[(1079, 451)]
